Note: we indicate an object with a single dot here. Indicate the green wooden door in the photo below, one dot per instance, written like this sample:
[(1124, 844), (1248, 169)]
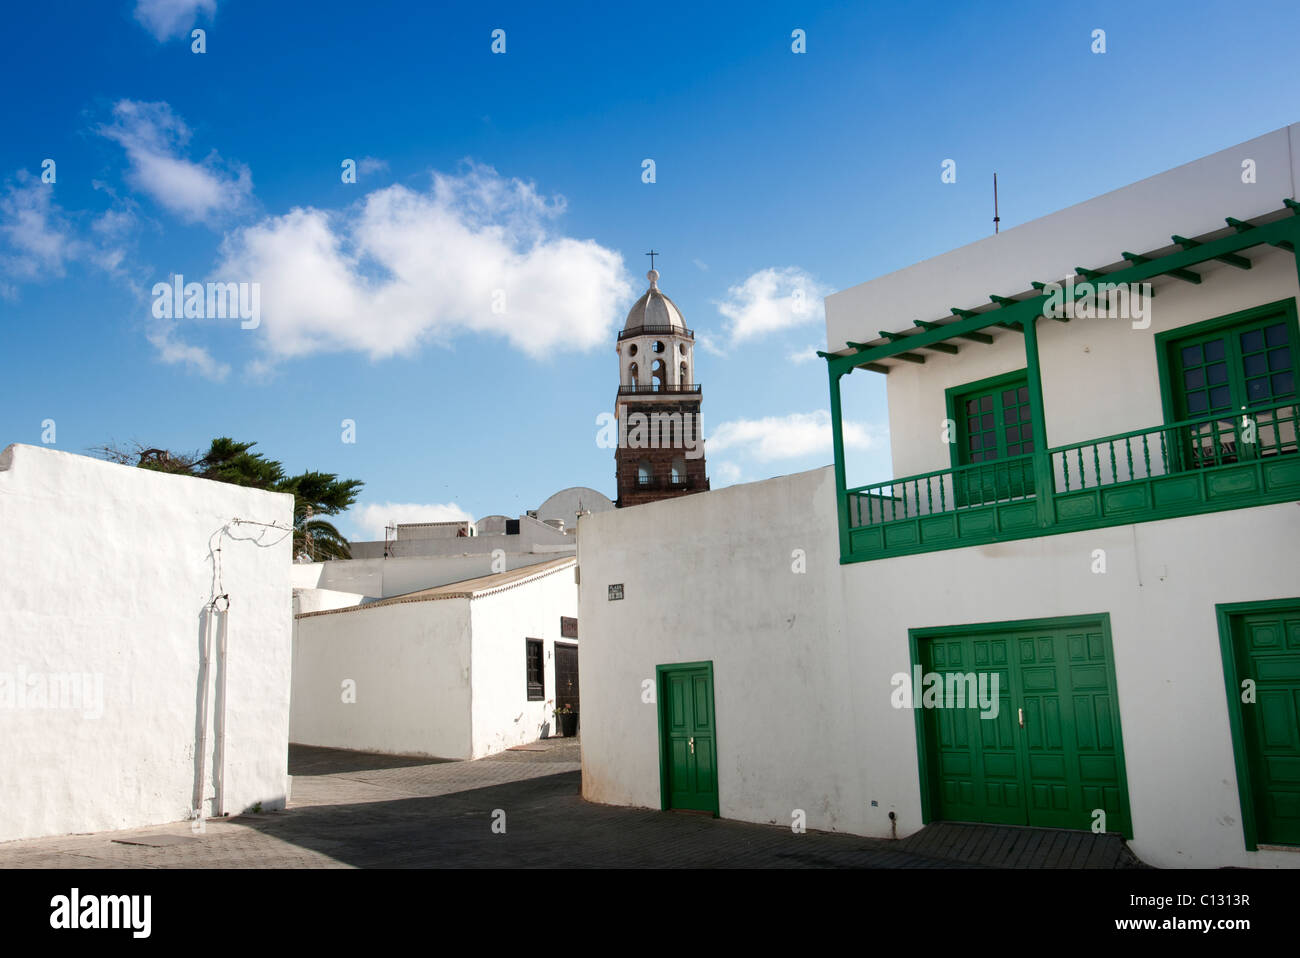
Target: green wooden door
[(1267, 646), (975, 763), (688, 740), (1051, 756)]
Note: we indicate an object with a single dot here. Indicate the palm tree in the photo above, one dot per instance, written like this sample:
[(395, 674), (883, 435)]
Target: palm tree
[(315, 494)]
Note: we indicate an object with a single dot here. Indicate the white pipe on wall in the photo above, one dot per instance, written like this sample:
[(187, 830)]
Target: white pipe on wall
[(219, 765), (201, 756)]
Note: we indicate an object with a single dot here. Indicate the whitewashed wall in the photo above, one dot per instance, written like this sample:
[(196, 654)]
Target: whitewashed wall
[(802, 662), (105, 570), (501, 622), (409, 664), (324, 600), (444, 678), (723, 591)]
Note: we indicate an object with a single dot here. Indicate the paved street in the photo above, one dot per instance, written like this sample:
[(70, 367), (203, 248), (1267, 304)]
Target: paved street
[(352, 809)]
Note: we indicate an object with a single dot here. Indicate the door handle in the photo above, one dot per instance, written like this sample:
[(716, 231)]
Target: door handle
[(691, 742), (1022, 717)]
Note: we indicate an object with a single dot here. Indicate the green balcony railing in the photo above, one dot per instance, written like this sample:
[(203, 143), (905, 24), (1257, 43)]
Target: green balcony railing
[(1199, 465), (942, 491), (1202, 443)]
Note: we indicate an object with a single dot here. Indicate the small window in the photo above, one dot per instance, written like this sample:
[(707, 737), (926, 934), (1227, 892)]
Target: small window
[(536, 671)]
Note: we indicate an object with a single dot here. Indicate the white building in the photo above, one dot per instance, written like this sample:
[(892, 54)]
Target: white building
[(144, 645), (1099, 513), (460, 670)]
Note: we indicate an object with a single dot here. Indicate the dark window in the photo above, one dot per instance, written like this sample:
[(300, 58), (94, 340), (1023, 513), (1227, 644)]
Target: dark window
[(512, 527), (536, 671)]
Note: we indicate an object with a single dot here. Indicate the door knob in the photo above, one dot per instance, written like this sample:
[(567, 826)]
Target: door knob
[(691, 742), (1022, 717)]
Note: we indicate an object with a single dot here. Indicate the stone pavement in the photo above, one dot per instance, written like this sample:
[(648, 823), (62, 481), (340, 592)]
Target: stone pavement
[(354, 809)]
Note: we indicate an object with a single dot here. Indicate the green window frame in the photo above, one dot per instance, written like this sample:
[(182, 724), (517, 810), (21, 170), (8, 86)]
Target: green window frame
[(993, 420), (1225, 367)]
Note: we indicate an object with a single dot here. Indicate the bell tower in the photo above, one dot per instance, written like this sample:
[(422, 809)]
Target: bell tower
[(660, 440)]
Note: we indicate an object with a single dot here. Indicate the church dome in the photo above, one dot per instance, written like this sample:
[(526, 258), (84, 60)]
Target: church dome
[(654, 308)]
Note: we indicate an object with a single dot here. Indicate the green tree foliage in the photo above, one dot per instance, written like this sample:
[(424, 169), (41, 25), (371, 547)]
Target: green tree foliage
[(315, 494)]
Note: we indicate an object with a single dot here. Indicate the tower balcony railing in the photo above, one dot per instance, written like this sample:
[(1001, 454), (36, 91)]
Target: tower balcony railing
[(659, 483), (656, 331), (1231, 460), (642, 389)]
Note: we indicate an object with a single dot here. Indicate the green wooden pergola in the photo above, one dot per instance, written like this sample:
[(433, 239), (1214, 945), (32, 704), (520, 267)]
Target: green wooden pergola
[(1280, 228)]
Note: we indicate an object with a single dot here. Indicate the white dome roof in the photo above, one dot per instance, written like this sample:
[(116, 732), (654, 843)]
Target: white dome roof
[(654, 308)]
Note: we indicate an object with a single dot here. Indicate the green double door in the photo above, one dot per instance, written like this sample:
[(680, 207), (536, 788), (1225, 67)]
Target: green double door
[(1267, 649), (688, 738), (1052, 755)]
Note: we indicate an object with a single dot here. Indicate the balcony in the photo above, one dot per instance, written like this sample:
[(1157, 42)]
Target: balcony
[(656, 331), (642, 389), (1163, 472)]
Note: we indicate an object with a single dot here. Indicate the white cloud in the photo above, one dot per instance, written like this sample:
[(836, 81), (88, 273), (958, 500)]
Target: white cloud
[(772, 299), (707, 343), (801, 356), (154, 138), (701, 265), (475, 252), (171, 350), (724, 473), (787, 437), (172, 18), (371, 520), (369, 164), (39, 239)]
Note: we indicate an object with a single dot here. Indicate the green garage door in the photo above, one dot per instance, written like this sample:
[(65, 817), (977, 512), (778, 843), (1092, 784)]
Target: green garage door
[(1052, 755)]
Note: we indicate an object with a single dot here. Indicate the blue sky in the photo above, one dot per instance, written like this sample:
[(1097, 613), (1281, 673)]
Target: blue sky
[(522, 171)]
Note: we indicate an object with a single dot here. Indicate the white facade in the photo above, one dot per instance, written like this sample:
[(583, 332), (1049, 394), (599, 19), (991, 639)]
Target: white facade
[(439, 672), (803, 661), (106, 573), (803, 647)]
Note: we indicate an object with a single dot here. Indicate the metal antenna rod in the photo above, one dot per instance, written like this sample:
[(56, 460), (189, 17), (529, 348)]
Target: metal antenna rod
[(995, 204)]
